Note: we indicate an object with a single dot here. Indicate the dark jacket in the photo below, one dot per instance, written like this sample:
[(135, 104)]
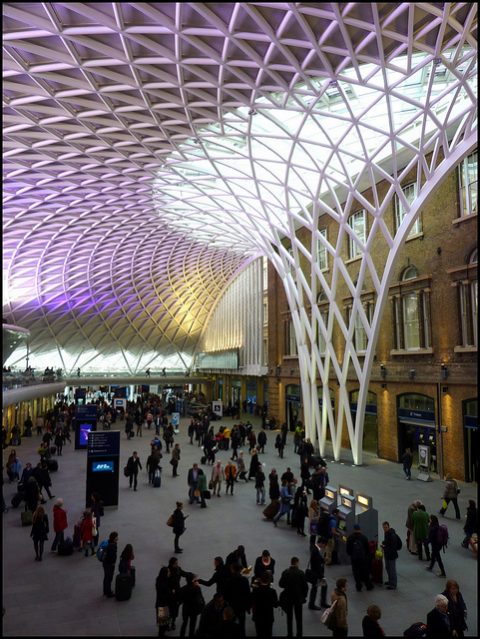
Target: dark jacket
[(433, 537), (438, 625), (190, 475), (178, 521), (192, 599), (352, 545), (165, 596), (110, 554), (219, 577), (264, 600), (371, 628), (317, 562), (260, 567), (259, 479), (237, 593), (390, 544), (274, 489), (456, 611), (40, 529), (133, 465), (295, 584)]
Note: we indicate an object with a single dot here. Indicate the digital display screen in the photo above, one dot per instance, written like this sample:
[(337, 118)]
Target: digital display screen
[(84, 429), (102, 467)]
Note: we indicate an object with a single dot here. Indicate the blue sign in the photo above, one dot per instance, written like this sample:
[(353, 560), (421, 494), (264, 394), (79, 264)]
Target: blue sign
[(102, 467), (426, 415), (103, 442), (86, 412)]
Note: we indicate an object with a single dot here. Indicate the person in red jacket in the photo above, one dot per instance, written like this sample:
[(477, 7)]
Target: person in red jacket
[(59, 523), (86, 532)]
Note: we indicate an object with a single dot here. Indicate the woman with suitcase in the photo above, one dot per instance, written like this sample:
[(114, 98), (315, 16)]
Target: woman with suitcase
[(125, 565)]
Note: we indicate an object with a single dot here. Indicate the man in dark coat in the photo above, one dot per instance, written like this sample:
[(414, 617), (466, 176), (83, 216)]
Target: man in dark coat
[(296, 588), (358, 551), (212, 616), (390, 546), (192, 480), (261, 441), (438, 623), (178, 525), (42, 476), (237, 594), (109, 561), (264, 600), (133, 464)]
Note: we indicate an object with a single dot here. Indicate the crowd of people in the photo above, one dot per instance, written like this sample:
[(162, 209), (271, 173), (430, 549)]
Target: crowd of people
[(292, 496)]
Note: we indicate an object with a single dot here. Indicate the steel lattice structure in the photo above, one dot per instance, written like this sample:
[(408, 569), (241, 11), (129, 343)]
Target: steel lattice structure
[(150, 150)]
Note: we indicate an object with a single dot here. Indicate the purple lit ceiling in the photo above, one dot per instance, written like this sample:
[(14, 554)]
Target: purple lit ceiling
[(112, 243)]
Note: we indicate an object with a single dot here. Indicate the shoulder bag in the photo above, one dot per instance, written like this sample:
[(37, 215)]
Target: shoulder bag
[(327, 613)]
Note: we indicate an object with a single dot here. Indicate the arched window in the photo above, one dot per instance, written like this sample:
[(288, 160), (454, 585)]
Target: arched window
[(468, 297)]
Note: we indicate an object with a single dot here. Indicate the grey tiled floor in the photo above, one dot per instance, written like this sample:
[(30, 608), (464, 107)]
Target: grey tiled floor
[(62, 596)]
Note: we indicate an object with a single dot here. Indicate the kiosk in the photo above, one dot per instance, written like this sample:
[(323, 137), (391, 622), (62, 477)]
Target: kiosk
[(103, 462), (85, 423), (329, 501), (346, 522), (366, 516)]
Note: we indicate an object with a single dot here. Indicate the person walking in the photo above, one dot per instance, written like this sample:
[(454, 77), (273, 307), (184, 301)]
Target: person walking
[(264, 602), (317, 566), (261, 441), (457, 610), (338, 621), (358, 551), (59, 523), (407, 460), (370, 626), (109, 561), (255, 464), (285, 501), (391, 544), (435, 545), (242, 471), (192, 481), (295, 586), (42, 476), (420, 531), (411, 546), (133, 464), (279, 444), (178, 525), (175, 459), (450, 495), (39, 532), (216, 478), (230, 472)]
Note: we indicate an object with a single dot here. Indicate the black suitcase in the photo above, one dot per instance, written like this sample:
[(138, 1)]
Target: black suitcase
[(272, 509), (123, 587), (65, 548), (52, 465), (203, 459), (157, 479), (206, 494), (17, 499)]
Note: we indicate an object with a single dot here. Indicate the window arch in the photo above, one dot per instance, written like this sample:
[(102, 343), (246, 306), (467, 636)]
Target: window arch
[(410, 273)]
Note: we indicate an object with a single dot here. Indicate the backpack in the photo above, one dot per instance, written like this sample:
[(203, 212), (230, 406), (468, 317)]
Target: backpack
[(442, 536), (358, 551), (101, 550), (417, 629), (399, 542)]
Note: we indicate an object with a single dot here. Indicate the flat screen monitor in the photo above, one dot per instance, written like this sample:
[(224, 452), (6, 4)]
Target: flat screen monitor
[(84, 429), (102, 467)]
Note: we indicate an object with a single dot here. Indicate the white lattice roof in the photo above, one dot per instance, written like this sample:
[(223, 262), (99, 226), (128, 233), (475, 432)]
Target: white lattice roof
[(150, 148)]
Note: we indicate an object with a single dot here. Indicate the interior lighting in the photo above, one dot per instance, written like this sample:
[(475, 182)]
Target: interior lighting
[(444, 371)]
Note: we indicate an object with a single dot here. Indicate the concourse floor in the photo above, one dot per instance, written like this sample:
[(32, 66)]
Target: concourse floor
[(62, 596)]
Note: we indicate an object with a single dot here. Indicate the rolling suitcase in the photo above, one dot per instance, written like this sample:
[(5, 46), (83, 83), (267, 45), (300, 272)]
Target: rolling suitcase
[(376, 570), (65, 548), (17, 499), (52, 465), (27, 518), (123, 587), (203, 459), (272, 509), (157, 479)]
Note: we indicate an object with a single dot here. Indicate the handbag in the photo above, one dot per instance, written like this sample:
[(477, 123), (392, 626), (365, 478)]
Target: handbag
[(196, 493), (206, 494), (327, 613), (444, 504), (126, 471), (170, 521), (314, 527), (210, 484), (163, 615), (94, 527)]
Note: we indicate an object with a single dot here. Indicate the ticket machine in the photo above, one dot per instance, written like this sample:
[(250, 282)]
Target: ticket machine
[(346, 521), (344, 491), (329, 501), (366, 516)]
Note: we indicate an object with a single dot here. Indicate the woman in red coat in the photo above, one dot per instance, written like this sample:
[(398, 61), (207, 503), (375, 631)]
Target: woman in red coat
[(59, 523), (86, 532)]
